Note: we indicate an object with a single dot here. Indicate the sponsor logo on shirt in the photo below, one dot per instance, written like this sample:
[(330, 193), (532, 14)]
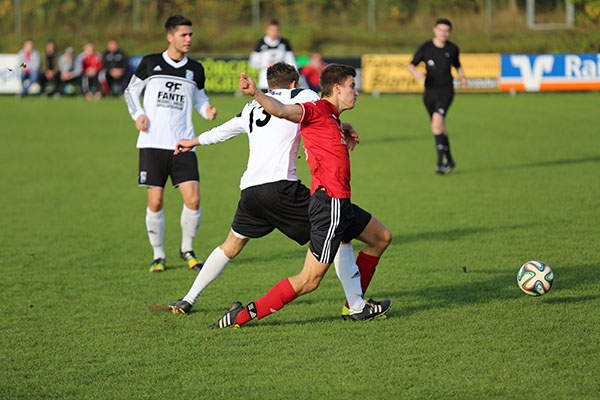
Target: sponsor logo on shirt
[(170, 98), (157, 68)]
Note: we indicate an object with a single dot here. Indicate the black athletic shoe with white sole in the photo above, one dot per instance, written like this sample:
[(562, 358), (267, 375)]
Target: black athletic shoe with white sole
[(228, 319), (180, 307), (371, 310)]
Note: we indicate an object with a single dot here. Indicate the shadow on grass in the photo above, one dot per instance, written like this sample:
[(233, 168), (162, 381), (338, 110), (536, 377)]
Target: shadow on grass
[(451, 234), (550, 163), (479, 291), (393, 139)]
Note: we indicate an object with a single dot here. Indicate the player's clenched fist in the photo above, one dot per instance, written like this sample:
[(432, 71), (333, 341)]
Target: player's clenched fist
[(142, 123), (211, 112), (247, 85)]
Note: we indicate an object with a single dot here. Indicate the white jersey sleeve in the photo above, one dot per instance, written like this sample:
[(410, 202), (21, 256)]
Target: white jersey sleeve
[(132, 97), (201, 101), (223, 132)]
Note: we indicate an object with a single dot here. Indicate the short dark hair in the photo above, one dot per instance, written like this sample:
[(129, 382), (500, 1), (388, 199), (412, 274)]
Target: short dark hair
[(443, 21), (332, 74), (272, 21), (176, 20), (280, 75)]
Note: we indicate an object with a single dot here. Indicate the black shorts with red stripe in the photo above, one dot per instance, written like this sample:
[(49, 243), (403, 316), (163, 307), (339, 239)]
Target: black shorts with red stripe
[(333, 221)]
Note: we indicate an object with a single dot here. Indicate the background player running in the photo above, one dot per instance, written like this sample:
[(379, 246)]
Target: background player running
[(332, 216), (272, 196), (174, 86), (439, 55)]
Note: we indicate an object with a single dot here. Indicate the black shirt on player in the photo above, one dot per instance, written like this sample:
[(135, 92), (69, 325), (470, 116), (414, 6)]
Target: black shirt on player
[(438, 62)]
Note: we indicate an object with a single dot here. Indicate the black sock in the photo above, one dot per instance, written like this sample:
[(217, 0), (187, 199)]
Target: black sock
[(439, 146), (446, 144)]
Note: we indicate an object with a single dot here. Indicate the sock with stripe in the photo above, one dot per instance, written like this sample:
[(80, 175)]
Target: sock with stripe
[(155, 225), (279, 295), (366, 265), (214, 265), (347, 272), (190, 221)]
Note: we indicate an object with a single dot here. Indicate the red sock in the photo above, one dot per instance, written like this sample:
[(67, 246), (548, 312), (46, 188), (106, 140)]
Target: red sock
[(366, 265), (279, 295)]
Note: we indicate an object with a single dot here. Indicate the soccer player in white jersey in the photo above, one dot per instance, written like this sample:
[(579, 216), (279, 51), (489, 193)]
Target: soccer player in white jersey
[(271, 49), (272, 195), (174, 86)]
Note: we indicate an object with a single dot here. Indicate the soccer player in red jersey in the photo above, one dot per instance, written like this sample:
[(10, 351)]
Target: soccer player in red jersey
[(334, 219)]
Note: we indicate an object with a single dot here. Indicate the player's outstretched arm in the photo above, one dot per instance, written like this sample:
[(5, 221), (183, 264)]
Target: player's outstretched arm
[(291, 112), (185, 145)]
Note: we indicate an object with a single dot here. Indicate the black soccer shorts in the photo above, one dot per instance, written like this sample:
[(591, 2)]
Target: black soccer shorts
[(438, 100), (281, 205), (332, 221), (156, 165)]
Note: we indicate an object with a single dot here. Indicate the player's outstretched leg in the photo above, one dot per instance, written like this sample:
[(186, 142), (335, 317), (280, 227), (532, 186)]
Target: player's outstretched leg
[(214, 265)]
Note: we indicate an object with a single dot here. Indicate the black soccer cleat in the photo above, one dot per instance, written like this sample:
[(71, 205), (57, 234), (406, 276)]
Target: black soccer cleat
[(158, 265), (228, 319), (441, 169), (192, 261), (372, 309), (450, 166), (180, 307)]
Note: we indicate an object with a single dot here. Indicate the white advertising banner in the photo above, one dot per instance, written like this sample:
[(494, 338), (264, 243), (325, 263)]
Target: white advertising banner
[(10, 74)]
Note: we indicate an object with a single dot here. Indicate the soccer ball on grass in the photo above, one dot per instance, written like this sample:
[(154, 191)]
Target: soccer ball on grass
[(535, 278)]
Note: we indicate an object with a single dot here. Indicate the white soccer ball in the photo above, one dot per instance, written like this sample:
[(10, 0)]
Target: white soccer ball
[(535, 278)]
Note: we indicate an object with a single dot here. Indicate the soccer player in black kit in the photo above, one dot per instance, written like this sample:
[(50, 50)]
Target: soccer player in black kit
[(439, 55)]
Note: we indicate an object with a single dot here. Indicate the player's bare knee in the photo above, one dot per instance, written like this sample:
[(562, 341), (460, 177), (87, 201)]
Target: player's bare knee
[(155, 205), (386, 238)]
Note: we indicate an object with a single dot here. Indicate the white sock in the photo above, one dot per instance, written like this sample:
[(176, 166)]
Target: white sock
[(190, 220), (347, 271), (214, 265), (155, 225)]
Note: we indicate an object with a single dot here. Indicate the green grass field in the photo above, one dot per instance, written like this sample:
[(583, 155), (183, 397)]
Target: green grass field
[(82, 318)]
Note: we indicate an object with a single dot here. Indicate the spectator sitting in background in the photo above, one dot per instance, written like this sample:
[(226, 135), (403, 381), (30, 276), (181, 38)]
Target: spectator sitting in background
[(91, 63), (49, 75), (29, 62), (269, 50), (312, 71), (114, 75), (70, 72)]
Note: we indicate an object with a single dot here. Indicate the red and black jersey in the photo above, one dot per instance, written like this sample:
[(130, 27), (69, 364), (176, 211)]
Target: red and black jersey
[(326, 148)]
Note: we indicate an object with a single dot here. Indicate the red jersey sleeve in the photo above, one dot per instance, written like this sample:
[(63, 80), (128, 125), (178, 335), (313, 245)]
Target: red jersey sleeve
[(310, 112)]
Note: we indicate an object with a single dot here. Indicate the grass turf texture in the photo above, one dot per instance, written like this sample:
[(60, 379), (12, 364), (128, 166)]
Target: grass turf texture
[(82, 317)]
